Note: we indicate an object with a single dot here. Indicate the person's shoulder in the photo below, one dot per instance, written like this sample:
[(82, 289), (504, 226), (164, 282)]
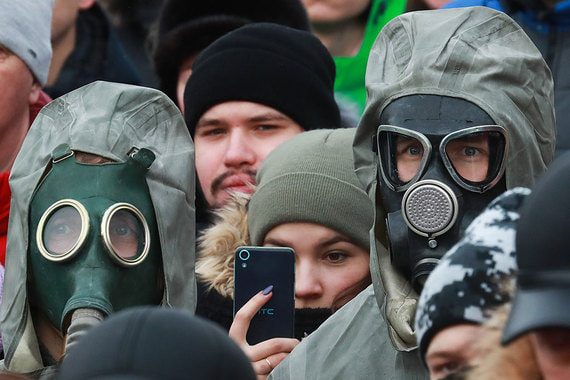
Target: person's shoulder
[(357, 327)]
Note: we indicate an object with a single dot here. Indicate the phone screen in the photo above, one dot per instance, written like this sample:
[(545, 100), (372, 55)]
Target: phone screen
[(256, 268)]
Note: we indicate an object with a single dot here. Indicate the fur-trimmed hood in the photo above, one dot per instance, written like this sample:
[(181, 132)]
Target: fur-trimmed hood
[(217, 244)]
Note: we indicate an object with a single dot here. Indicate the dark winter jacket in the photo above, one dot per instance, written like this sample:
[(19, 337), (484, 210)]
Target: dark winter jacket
[(98, 55)]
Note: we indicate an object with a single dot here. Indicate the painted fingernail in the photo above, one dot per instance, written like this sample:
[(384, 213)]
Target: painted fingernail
[(267, 290)]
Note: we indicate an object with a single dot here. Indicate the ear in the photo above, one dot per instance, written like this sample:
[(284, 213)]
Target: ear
[(85, 4), (34, 93)]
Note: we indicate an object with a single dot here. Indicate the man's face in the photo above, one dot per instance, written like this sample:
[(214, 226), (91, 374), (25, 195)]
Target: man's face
[(184, 73), (231, 140), (65, 13), (452, 350), (17, 91)]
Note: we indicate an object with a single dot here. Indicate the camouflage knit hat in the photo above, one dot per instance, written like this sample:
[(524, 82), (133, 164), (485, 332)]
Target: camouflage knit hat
[(469, 280)]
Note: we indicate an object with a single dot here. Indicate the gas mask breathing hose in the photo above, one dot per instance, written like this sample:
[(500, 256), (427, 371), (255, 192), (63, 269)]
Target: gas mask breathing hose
[(82, 320)]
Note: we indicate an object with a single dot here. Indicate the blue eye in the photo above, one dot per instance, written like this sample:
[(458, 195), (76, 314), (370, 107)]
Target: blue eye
[(470, 151), (415, 150), (121, 230), (61, 229)]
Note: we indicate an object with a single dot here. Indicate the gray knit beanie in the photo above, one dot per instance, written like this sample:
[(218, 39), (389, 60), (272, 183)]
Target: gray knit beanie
[(310, 178), (25, 29)]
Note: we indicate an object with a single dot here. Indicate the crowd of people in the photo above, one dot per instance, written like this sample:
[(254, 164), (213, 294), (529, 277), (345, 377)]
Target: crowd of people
[(409, 155)]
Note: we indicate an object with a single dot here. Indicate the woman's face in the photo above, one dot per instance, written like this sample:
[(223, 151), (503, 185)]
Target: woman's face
[(451, 350), (327, 262)]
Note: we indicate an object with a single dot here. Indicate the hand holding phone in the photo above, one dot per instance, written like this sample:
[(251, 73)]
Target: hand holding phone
[(256, 268), (268, 354), (257, 273)]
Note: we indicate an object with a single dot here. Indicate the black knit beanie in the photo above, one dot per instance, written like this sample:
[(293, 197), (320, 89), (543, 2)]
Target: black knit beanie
[(277, 66), (156, 343), (186, 27)]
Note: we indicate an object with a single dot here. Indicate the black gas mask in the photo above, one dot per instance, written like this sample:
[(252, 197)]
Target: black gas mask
[(441, 161)]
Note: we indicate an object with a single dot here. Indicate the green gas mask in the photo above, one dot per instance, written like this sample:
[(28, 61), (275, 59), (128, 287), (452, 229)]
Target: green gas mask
[(94, 240)]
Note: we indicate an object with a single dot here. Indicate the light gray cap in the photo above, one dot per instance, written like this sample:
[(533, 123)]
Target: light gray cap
[(25, 29)]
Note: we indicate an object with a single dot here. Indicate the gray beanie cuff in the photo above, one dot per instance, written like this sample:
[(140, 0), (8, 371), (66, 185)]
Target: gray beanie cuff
[(311, 198), (25, 29)]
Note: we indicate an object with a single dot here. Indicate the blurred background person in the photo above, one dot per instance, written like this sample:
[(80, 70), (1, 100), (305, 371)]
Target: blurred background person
[(25, 55), (185, 28), (135, 22), (348, 29), (540, 304), (85, 48)]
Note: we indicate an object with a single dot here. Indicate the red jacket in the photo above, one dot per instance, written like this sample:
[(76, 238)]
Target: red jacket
[(5, 188)]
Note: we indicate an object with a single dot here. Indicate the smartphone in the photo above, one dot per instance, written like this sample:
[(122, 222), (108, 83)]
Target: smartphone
[(255, 268)]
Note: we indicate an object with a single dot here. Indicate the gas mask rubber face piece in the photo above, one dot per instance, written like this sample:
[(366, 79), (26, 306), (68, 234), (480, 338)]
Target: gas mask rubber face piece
[(441, 161), (94, 240)]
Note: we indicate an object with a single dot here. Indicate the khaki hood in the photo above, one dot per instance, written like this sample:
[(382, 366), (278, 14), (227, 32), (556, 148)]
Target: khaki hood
[(105, 119), (477, 54)]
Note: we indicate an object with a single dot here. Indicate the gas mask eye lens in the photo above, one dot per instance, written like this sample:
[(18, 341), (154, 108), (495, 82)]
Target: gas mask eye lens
[(403, 155), (409, 154), (475, 156), (470, 156), (125, 234), (62, 229), (125, 229)]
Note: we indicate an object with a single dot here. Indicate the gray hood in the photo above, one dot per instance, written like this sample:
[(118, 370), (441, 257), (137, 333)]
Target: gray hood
[(477, 54), (105, 119), (471, 53)]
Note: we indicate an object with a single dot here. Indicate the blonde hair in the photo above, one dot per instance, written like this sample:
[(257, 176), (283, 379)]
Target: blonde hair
[(514, 361)]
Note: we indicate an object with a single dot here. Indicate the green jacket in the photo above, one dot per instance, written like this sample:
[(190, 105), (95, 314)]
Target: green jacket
[(349, 82)]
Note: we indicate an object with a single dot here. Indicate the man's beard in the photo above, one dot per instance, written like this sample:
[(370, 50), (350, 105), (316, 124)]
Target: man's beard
[(216, 186)]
